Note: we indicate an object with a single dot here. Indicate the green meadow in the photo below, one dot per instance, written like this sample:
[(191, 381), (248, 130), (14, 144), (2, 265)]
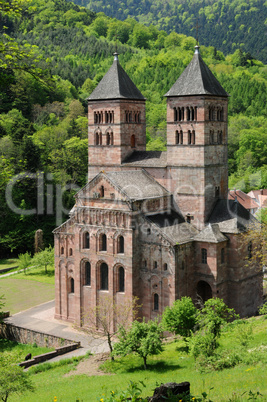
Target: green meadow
[(172, 365)]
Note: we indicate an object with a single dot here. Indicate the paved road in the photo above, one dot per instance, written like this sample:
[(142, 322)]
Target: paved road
[(41, 318)]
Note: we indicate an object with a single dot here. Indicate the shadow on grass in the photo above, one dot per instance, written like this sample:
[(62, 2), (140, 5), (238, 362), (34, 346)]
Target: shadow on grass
[(7, 345), (123, 366), (7, 261), (33, 273)]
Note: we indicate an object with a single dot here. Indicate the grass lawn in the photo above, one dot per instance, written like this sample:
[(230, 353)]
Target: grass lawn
[(21, 294), (8, 263), (22, 350), (172, 365)]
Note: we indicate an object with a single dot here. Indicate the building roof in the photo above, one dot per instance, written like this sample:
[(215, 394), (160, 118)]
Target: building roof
[(243, 198), (231, 216), (137, 184), (116, 84), (211, 234), (197, 79), (172, 226), (259, 196), (147, 159)]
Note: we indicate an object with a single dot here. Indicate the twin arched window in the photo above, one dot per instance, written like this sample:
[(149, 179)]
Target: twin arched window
[(98, 138)]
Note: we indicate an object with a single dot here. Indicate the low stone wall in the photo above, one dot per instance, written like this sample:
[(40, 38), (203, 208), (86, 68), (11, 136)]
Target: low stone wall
[(47, 356), (29, 336)]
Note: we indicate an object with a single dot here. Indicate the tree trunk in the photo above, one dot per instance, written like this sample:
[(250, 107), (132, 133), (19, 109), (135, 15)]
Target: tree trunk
[(144, 357), (110, 347)]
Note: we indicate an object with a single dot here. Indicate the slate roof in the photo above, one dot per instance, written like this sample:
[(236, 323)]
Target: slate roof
[(147, 159), (211, 234), (173, 226), (197, 79), (231, 216), (116, 84), (137, 184)]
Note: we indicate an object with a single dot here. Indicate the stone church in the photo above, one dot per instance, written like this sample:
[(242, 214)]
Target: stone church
[(151, 224)]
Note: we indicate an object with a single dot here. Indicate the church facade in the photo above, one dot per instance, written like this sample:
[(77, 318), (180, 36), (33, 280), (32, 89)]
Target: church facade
[(155, 225)]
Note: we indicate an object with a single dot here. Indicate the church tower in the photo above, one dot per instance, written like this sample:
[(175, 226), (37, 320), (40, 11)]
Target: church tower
[(197, 141), (116, 121)]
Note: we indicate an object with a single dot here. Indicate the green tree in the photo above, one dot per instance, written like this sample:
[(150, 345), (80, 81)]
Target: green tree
[(143, 338), (212, 316), (106, 319), (12, 379), (44, 258), (24, 261), (180, 318)]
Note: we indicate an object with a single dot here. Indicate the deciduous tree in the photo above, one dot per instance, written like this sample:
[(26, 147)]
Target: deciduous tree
[(143, 338)]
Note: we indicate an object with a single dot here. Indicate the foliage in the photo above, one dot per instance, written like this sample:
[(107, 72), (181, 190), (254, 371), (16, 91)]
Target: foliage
[(44, 258), (43, 127), (143, 338), (210, 319), (2, 303), (24, 261), (13, 379), (263, 309), (107, 318), (180, 318), (255, 240), (225, 24)]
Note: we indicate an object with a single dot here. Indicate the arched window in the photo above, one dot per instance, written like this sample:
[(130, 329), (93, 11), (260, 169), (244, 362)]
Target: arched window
[(86, 240), (220, 137), (87, 273), (155, 265), (104, 276), (156, 302), (204, 256), (121, 279), (70, 251), (98, 138), (193, 137), (192, 113), (189, 137), (133, 141), (195, 113), (222, 255), (165, 267), (174, 114), (62, 250), (120, 244), (102, 191), (188, 114), (108, 139), (71, 285), (103, 242), (211, 136), (145, 263), (176, 137)]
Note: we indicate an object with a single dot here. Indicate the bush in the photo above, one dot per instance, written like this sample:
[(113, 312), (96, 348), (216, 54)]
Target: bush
[(263, 309)]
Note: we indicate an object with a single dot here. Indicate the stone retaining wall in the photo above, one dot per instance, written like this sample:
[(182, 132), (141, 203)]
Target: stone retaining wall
[(29, 336), (46, 356)]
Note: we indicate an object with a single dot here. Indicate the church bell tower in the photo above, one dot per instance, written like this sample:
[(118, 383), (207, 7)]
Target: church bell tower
[(197, 141), (116, 121)]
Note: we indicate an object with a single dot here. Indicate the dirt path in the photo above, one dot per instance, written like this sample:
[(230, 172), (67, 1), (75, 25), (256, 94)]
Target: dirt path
[(90, 366)]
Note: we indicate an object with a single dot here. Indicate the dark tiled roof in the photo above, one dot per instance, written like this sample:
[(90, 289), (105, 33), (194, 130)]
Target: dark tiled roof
[(173, 226), (147, 159), (116, 84), (137, 184), (211, 234), (231, 216), (197, 79)]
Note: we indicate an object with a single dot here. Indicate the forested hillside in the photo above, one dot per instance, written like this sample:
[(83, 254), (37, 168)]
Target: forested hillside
[(225, 24), (52, 55)]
